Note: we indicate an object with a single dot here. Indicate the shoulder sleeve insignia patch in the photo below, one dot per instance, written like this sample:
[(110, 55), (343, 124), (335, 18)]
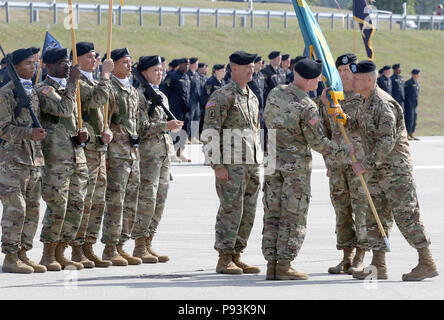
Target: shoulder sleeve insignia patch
[(313, 121), (211, 104)]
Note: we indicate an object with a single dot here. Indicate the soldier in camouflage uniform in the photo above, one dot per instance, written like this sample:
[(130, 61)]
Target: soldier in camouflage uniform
[(94, 95), (390, 180), (346, 193), (123, 173), (21, 160), (234, 109), (65, 174), (155, 152), (294, 119)]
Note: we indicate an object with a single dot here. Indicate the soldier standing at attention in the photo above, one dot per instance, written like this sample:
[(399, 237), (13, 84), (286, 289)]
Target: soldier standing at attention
[(65, 175), (384, 81), (390, 180), (294, 118), (273, 73), (398, 85), (21, 160), (155, 152), (94, 95), (285, 66), (194, 107), (233, 112), (123, 175), (411, 103)]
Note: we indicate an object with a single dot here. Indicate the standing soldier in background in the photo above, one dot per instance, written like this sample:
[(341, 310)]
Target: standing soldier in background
[(234, 108), (398, 85), (285, 66), (194, 108), (94, 95), (411, 103), (384, 81), (21, 160), (346, 193), (65, 175), (155, 152), (257, 85), (273, 73), (123, 175)]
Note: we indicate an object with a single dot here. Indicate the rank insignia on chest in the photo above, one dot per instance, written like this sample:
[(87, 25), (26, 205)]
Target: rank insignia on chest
[(313, 121)]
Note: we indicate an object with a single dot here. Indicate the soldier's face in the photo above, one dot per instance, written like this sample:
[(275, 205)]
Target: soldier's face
[(398, 71), (285, 63), (87, 61), (220, 74), (258, 66), (184, 67), (122, 67), (346, 77), (244, 73), (26, 68), (362, 82), (387, 73), (153, 74), (415, 77)]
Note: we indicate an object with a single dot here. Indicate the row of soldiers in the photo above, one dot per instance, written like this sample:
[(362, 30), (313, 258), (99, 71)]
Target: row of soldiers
[(78, 162)]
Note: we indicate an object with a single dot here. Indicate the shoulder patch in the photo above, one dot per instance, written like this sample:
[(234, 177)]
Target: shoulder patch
[(210, 104), (47, 90)]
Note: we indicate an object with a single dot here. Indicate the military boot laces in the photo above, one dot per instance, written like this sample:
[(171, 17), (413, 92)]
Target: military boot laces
[(426, 267), (284, 271), (110, 253), (358, 261), (89, 253), (38, 268), (48, 257), (65, 262), (140, 251), (376, 270), (271, 270), (131, 260), (160, 258), (345, 264), (13, 264), (225, 265), (79, 256), (246, 268)]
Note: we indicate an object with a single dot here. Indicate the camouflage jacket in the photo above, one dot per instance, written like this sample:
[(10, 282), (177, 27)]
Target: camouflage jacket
[(384, 137), (350, 105), (16, 132), (59, 118), (152, 128), (124, 103), (234, 116), (295, 117), (94, 96)]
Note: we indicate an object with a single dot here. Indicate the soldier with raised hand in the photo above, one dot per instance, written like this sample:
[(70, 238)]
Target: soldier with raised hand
[(123, 174), (294, 119), (390, 180), (233, 112), (21, 160), (155, 149), (94, 95), (65, 175), (346, 193)]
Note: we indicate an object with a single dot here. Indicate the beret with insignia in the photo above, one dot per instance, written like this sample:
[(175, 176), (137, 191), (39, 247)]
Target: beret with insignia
[(274, 54), (364, 66), (308, 69), (21, 54), (346, 59), (117, 54), (285, 57), (146, 62), (242, 57), (55, 54)]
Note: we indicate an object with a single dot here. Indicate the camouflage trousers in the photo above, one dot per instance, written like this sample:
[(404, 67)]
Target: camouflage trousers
[(351, 207), (64, 190), (238, 200), (20, 191), (95, 199), (286, 199), (393, 191), (123, 178), (154, 182)]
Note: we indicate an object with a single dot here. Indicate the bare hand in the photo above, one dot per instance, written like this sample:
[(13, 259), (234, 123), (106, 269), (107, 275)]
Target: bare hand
[(358, 168), (174, 125), (324, 98), (107, 67), (82, 136), (74, 73), (38, 134), (221, 173), (107, 136)]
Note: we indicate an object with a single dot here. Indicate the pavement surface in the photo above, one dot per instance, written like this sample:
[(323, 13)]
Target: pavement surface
[(186, 234)]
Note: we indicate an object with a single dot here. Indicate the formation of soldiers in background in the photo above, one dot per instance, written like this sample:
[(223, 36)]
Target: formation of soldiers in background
[(90, 176)]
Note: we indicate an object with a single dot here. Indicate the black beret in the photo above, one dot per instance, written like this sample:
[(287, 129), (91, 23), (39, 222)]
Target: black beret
[(148, 61), (396, 66), (218, 66), (386, 67), (297, 59), (97, 55), (193, 60), (104, 57), (285, 57), (201, 65), (416, 71), (293, 61), (242, 57), (55, 54), (174, 63), (274, 54), (346, 59), (162, 59), (257, 59), (183, 60), (380, 71), (308, 69), (35, 50), (21, 54), (364, 66), (117, 54), (84, 48)]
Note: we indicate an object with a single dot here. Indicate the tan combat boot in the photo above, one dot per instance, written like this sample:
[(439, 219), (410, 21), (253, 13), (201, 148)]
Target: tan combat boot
[(79, 256), (225, 264), (284, 271), (271, 270), (38, 268), (345, 264), (60, 257), (426, 267), (131, 260), (376, 266), (152, 252), (13, 264), (110, 253), (141, 252), (89, 253), (358, 261), (246, 268), (48, 258)]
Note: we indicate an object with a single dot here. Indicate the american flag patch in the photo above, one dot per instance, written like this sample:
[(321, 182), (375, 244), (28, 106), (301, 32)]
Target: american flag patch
[(211, 104), (46, 90), (314, 120)]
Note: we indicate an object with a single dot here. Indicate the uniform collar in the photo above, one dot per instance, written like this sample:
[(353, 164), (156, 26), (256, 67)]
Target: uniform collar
[(239, 89), (88, 75), (50, 80)]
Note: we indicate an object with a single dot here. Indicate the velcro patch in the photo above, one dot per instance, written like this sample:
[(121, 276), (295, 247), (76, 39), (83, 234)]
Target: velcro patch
[(47, 90), (210, 104), (313, 121)]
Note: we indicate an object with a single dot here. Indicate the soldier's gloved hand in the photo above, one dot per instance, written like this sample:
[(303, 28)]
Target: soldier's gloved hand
[(107, 68), (221, 173), (174, 125), (107, 136), (82, 136), (38, 134), (358, 168), (74, 73)]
